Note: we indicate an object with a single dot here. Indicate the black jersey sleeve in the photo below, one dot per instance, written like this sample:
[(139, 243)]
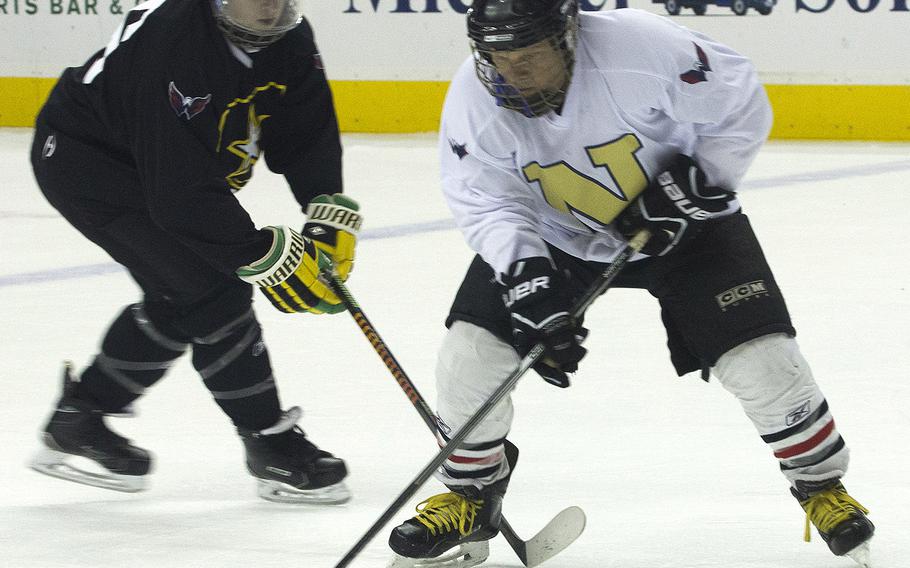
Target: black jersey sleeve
[(185, 189), (301, 141)]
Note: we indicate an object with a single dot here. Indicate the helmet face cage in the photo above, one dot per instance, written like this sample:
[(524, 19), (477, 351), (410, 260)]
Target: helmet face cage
[(499, 26), (256, 24)]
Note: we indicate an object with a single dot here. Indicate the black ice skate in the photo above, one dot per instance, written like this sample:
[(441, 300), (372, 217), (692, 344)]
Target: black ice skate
[(291, 469), (452, 529), (841, 521), (77, 430)]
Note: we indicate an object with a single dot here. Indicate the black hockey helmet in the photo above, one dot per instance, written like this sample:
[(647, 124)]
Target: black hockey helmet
[(256, 24), (497, 27)]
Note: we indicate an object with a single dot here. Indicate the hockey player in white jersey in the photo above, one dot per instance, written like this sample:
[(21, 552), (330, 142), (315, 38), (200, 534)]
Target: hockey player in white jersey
[(563, 135)]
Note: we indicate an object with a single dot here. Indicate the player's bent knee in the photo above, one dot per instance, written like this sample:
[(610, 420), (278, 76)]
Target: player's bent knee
[(471, 363), (770, 378), (473, 357)]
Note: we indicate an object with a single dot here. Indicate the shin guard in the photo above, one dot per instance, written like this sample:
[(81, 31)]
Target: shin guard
[(775, 386), (234, 364), (134, 355), (472, 363)]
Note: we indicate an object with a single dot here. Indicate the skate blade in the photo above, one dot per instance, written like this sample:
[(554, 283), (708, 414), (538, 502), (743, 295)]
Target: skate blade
[(862, 555), (56, 464), (466, 555), (278, 492)]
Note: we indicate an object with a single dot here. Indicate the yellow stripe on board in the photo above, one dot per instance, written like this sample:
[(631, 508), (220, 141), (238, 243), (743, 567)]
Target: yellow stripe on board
[(823, 112), (841, 112), (389, 106), (21, 98)]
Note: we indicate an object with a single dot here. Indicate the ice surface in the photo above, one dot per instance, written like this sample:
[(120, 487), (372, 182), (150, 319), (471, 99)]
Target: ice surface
[(669, 470)]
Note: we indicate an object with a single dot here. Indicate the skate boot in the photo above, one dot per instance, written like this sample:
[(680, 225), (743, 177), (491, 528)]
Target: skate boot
[(77, 430), (463, 519), (841, 521), (291, 469)]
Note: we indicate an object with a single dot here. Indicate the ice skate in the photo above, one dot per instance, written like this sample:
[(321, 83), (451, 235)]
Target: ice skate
[(291, 469), (452, 530), (841, 521), (77, 432)]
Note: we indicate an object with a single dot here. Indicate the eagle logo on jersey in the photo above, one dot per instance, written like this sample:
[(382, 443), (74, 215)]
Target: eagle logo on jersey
[(459, 150), (700, 71), (186, 106)]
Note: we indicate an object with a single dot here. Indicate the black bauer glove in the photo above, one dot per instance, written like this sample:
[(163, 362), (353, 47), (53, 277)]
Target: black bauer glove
[(674, 207), (540, 304)]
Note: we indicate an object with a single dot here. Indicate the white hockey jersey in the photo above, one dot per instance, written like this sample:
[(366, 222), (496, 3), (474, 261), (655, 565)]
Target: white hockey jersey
[(643, 90)]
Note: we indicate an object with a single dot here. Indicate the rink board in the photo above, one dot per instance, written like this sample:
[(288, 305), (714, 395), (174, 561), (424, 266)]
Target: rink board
[(834, 112)]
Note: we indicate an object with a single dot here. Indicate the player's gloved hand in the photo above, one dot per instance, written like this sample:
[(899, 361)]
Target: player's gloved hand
[(332, 223), (674, 207), (289, 275), (536, 295)]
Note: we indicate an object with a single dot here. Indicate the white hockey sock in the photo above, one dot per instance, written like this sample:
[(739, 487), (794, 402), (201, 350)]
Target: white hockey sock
[(775, 386), (472, 363)]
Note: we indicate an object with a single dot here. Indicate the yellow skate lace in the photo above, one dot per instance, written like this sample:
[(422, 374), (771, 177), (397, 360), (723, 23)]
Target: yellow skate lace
[(448, 512), (829, 508)]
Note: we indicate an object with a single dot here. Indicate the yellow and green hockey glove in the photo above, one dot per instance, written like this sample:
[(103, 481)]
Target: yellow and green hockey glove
[(289, 275), (333, 222)]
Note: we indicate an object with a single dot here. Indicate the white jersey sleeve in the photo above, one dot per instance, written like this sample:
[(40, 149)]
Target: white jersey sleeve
[(480, 181), (651, 64)]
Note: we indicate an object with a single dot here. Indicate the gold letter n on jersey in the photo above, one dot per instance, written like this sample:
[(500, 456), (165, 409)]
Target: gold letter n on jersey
[(569, 191)]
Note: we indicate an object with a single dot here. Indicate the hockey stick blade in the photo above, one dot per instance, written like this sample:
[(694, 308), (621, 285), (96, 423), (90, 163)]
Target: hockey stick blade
[(559, 533)]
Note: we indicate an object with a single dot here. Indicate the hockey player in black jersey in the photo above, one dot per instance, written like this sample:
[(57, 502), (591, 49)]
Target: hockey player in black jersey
[(562, 136), (141, 149)]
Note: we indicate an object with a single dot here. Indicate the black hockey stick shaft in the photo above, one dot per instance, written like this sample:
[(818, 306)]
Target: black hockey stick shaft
[(517, 544), (407, 385), (599, 287)]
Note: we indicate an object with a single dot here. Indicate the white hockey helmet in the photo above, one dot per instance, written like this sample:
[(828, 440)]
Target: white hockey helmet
[(255, 24)]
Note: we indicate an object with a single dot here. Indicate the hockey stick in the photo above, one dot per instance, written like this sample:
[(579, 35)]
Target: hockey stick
[(597, 288), (559, 533)]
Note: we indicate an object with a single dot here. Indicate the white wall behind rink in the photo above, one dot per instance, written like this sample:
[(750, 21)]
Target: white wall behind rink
[(850, 42)]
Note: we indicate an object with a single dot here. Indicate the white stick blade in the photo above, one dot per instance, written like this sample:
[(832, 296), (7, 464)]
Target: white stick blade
[(556, 536)]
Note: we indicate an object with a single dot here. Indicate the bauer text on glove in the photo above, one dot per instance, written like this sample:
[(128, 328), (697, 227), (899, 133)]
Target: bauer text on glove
[(540, 308), (674, 207)]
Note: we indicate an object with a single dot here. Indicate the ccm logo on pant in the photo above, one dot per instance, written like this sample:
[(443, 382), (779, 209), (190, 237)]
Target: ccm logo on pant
[(740, 293)]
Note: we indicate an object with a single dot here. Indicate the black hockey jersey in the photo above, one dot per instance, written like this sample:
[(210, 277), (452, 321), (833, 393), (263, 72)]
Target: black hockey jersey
[(188, 115)]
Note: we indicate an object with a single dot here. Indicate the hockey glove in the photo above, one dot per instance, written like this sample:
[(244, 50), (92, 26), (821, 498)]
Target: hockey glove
[(332, 224), (674, 208), (289, 275), (539, 303)]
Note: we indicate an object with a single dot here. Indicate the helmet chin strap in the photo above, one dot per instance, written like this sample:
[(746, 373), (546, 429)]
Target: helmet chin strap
[(535, 105), (247, 41)]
